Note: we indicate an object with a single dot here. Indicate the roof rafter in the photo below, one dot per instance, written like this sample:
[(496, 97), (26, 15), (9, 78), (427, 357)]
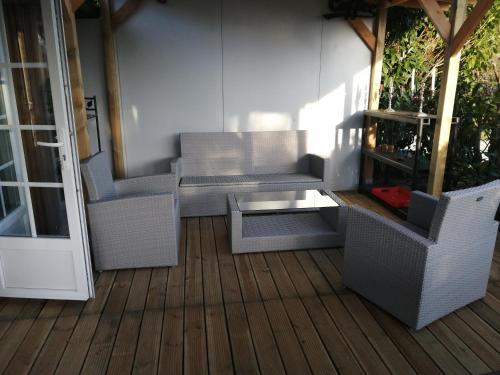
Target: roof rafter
[(363, 32), (470, 24), (437, 17)]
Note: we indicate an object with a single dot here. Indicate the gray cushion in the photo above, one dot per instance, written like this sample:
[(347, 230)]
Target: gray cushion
[(96, 173), (419, 230), (256, 179)]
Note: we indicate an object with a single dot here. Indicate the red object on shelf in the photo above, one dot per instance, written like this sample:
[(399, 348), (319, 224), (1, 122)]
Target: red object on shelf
[(395, 196)]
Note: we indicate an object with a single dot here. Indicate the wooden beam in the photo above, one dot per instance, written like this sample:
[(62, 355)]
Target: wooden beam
[(125, 12), (363, 32), (76, 82), (470, 24), (446, 103), (112, 89), (437, 16), (76, 4), (374, 93)]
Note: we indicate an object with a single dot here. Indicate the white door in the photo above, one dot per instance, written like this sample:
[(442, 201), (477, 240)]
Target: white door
[(43, 239)]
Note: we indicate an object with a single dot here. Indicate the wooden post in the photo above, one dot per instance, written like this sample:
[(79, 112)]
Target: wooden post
[(374, 94), (446, 103), (112, 89), (76, 82)]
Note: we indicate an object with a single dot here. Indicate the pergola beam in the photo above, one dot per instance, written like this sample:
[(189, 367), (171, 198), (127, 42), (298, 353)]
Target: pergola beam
[(374, 93), (76, 81), (437, 17), (364, 33), (470, 24), (446, 103), (112, 89)]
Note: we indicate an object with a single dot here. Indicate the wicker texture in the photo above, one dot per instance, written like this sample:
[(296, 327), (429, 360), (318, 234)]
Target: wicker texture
[(286, 231), (419, 279), (256, 179), (139, 225), (215, 164), (97, 177)]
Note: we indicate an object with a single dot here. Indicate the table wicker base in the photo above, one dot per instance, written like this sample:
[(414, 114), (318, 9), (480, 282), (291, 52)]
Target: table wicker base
[(285, 230)]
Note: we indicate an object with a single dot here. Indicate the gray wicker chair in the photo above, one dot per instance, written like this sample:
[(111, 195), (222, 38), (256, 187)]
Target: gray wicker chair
[(134, 222), (436, 262)]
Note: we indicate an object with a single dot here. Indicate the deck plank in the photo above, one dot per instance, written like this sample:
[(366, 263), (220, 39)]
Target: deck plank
[(18, 330), (9, 313), (243, 351), (364, 351), (148, 347), (311, 343), (291, 351), (172, 341), (266, 348), (35, 338), (70, 317), (195, 349), (101, 346), (218, 345), (125, 345)]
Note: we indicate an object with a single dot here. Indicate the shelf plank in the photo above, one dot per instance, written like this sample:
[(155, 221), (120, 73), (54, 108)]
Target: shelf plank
[(401, 116)]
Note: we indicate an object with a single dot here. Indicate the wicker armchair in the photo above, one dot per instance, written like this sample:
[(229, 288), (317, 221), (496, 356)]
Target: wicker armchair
[(436, 262), (134, 222)]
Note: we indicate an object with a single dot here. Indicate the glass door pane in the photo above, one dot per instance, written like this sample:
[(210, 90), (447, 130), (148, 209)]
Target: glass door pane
[(31, 178)]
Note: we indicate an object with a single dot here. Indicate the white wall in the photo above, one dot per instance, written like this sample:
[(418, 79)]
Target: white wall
[(239, 65)]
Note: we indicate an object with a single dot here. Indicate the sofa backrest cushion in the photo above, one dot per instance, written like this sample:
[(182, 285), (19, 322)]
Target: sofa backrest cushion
[(237, 153)]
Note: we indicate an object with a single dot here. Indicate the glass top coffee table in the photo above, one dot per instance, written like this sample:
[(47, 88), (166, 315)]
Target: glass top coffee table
[(285, 220), (283, 200)]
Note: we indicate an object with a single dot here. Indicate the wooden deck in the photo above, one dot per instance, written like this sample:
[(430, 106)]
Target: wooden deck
[(215, 313)]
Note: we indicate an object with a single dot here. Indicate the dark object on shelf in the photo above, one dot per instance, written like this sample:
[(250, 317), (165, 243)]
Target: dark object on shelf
[(91, 108), (395, 196), (350, 9)]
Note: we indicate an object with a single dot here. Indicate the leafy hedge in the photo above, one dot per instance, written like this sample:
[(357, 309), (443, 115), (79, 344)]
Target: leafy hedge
[(413, 43)]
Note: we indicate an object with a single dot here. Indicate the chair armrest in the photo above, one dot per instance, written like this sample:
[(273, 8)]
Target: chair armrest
[(421, 210), (176, 167), (121, 228), (385, 262), (164, 183), (127, 214), (318, 166)]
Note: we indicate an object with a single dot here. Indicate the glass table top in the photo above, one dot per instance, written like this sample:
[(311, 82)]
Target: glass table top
[(283, 200)]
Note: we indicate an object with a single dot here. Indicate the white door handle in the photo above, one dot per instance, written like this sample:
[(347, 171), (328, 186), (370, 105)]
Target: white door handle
[(49, 144)]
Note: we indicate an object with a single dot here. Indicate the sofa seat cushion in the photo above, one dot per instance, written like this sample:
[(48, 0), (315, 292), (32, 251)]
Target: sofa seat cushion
[(254, 179)]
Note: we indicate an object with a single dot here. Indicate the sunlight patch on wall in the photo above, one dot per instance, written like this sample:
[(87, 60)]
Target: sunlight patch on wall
[(260, 121), (135, 115), (321, 117)]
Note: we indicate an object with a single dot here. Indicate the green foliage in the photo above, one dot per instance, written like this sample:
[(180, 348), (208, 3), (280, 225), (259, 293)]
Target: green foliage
[(413, 43)]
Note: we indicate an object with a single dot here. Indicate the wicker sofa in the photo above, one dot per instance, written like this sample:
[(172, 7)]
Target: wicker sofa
[(215, 164)]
